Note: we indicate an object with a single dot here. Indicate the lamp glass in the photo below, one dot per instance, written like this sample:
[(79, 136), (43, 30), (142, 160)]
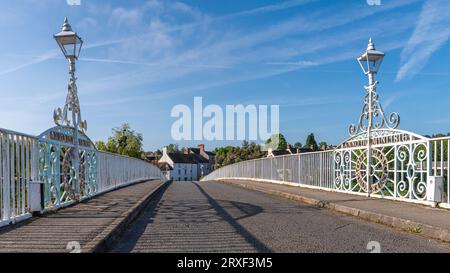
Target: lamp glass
[(370, 63), (70, 45)]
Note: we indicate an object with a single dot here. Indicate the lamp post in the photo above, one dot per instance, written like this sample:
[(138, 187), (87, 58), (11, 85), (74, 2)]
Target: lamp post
[(71, 44), (372, 117), (370, 62)]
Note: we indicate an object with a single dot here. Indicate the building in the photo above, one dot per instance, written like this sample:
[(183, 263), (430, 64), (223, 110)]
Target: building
[(205, 159), (187, 165), (289, 151), (152, 157), (165, 169)]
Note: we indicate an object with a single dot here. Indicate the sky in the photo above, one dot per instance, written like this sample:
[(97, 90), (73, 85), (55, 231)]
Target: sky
[(142, 57)]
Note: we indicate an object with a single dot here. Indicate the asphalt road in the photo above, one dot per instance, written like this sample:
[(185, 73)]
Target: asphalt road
[(214, 217)]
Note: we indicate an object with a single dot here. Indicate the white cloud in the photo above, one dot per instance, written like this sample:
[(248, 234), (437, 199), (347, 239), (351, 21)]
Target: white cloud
[(126, 16), (431, 33), (87, 23)]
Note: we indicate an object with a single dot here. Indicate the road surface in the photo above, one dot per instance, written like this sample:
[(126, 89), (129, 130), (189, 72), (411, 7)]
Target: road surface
[(214, 217)]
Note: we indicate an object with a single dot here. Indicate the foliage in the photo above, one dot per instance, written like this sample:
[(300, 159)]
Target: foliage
[(323, 143), (124, 141), (297, 145), (311, 142), (277, 138), (229, 154), (171, 148)]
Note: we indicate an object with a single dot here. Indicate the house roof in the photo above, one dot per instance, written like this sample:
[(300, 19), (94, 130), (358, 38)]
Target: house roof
[(280, 152), (195, 150), (178, 157), (183, 158), (305, 150), (198, 158)]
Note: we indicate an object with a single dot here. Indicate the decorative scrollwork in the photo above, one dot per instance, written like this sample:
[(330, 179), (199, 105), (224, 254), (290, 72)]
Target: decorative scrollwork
[(373, 114), (378, 170), (61, 117), (68, 176)]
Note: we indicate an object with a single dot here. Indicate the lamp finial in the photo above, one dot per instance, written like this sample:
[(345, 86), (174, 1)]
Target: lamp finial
[(66, 25), (371, 45)]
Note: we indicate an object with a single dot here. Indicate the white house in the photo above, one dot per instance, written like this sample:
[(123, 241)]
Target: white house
[(189, 165), (184, 168)]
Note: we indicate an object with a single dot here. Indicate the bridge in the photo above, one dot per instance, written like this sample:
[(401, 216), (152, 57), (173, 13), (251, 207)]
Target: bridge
[(382, 189), (229, 216)]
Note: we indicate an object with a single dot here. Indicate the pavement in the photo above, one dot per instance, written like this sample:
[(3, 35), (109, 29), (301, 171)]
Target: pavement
[(218, 217), (89, 226), (419, 219)]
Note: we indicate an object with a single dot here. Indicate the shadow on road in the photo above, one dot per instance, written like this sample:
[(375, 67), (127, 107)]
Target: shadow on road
[(260, 247), (175, 222), (128, 240)]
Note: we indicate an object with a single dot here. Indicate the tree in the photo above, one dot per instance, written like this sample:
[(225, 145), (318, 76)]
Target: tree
[(323, 144), (172, 148), (297, 145), (274, 139), (124, 141), (311, 142), (100, 145), (229, 154)]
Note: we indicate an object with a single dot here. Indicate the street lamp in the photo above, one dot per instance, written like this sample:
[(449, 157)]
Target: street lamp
[(370, 61), (372, 112), (71, 44), (69, 41)]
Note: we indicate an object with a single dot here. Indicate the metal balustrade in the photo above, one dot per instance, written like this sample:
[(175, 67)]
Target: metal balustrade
[(117, 171), (440, 151), (318, 170), (308, 169), (23, 163), (18, 166)]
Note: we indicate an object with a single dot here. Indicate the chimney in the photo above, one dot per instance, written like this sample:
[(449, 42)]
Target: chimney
[(186, 151), (164, 151), (201, 147)]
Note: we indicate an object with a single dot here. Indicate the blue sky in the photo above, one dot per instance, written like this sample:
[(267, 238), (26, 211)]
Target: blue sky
[(143, 57)]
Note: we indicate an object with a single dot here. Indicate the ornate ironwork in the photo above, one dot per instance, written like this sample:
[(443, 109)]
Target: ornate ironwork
[(373, 111), (377, 158), (61, 117), (398, 169), (372, 115), (58, 166)]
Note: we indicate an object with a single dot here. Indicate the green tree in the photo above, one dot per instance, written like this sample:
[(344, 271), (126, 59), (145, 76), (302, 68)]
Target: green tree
[(311, 142), (100, 145), (229, 154), (323, 143), (172, 148), (297, 145), (124, 141), (277, 138)]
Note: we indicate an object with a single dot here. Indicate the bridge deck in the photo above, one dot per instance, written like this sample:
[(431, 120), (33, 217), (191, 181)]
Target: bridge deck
[(85, 223), (430, 222), (216, 217)]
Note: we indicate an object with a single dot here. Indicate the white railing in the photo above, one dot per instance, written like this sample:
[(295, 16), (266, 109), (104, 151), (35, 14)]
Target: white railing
[(18, 166), (309, 169), (318, 170), (21, 191), (440, 166), (117, 171)]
